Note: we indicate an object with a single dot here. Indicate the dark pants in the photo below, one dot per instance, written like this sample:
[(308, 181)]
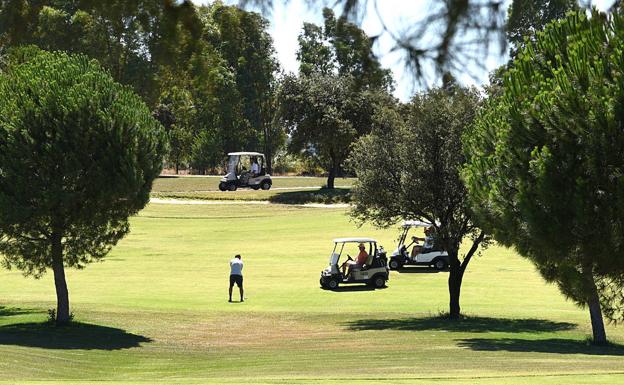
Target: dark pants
[(236, 279)]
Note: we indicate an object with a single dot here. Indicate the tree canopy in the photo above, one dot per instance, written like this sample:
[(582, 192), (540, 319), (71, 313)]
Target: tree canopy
[(545, 166), (408, 168), (78, 154), (324, 115)]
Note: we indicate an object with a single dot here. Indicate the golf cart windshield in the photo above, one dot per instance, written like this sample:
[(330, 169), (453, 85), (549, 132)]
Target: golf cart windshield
[(339, 245), (407, 225), (233, 163), (244, 161)]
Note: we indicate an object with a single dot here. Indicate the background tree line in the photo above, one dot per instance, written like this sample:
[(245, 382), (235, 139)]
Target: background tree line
[(210, 76), (208, 73)]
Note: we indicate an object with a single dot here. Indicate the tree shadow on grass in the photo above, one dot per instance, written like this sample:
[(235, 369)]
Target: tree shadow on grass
[(552, 345), (322, 195), (466, 324), (420, 270), (348, 288), (74, 336), (13, 311)]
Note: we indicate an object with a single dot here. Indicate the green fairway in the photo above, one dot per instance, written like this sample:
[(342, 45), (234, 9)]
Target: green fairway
[(211, 183), (156, 311)]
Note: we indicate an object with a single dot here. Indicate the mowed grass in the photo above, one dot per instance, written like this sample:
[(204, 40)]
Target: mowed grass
[(211, 183), (156, 311), (288, 190)]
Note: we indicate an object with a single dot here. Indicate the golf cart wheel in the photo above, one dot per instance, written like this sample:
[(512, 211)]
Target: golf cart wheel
[(440, 264), (256, 187), (378, 282), (265, 185), (222, 186), (332, 283), (323, 284), (394, 264), (232, 187)]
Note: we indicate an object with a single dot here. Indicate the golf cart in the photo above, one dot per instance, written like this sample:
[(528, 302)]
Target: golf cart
[(418, 255), (239, 172), (374, 272)]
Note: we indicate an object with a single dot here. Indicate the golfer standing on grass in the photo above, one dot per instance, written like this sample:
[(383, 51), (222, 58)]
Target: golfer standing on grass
[(236, 275)]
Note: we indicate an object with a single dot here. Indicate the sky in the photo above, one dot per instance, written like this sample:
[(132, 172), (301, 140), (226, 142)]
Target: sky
[(287, 21)]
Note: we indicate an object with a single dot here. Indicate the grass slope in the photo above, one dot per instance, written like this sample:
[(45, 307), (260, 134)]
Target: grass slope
[(155, 311), (211, 183)]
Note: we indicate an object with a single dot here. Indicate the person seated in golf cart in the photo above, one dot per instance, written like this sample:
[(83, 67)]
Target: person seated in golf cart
[(255, 167), (427, 245), (359, 262)]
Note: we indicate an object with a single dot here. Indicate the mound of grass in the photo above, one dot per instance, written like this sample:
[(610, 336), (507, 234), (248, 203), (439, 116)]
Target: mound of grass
[(323, 195), (292, 197)]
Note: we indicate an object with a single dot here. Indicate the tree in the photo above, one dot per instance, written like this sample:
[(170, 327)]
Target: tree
[(450, 35), (177, 114), (78, 154), (526, 18), (324, 115), (408, 168), (341, 47), (545, 160), (241, 38), (131, 39)]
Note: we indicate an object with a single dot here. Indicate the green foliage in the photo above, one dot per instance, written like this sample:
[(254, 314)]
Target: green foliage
[(408, 168), (217, 59), (78, 154), (341, 47), (526, 18), (130, 39), (324, 115), (545, 158)]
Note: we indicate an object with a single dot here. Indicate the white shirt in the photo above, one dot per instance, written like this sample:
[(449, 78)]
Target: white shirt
[(428, 242), (236, 267), (255, 168)]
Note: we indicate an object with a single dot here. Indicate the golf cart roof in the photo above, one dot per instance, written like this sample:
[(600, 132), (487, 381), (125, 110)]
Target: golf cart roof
[(354, 240), (245, 153), (416, 224)]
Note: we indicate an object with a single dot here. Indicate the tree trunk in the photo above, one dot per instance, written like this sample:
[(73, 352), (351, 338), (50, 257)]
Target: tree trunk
[(333, 168), (62, 295), (330, 178), (595, 311), (267, 152), (456, 274)]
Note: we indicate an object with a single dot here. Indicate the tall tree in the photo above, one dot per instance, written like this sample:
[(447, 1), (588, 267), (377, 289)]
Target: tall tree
[(78, 154), (450, 35), (526, 18), (324, 115), (341, 47), (544, 173), (408, 168), (243, 41), (131, 39)]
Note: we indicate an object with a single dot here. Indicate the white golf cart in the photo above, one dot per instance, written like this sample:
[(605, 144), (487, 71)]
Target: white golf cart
[(240, 172), (418, 255), (374, 272)]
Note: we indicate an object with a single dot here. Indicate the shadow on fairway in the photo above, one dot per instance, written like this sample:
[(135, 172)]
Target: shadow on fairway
[(420, 270), (353, 288), (74, 336), (322, 195), (466, 324), (552, 345), (13, 311)]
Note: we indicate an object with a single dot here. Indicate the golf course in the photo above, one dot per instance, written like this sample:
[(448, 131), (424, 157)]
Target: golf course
[(155, 310)]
